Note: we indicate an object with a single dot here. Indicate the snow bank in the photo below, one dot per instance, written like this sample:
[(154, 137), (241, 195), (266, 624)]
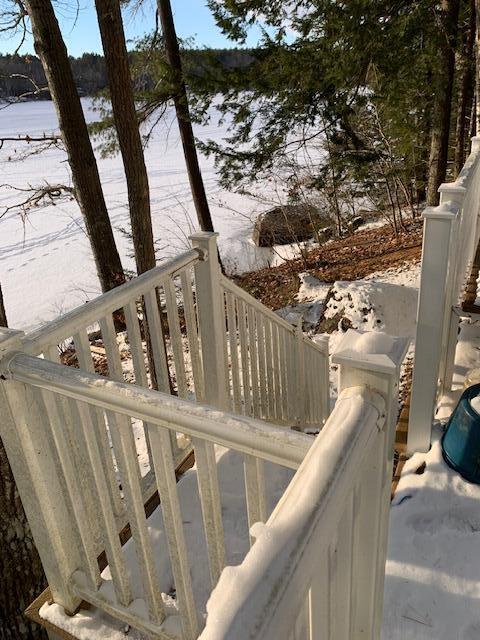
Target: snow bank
[(371, 305), (432, 587)]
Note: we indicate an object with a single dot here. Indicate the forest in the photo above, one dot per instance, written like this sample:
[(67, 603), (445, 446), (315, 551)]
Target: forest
[(20, 73)]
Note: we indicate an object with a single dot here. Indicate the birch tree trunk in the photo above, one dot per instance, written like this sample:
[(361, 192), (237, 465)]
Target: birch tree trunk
[(442, 108), (123, 105), (183, 116), (20, 567), (51, 50)]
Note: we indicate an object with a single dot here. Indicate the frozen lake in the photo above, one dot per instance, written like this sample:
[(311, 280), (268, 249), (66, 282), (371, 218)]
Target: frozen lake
[(46, 267)]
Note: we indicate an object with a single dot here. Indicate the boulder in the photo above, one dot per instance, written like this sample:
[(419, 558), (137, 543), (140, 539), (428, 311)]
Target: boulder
[(290, 223)]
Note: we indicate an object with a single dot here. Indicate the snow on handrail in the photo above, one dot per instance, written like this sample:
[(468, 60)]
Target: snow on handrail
[(242, 433), (70, 323), (262, 597)]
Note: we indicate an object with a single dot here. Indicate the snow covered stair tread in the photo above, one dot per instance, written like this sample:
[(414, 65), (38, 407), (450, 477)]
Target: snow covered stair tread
[(92, 623)]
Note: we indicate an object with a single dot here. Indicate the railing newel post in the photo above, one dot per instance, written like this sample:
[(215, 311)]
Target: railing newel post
[(364, 361), (28, 444), (211, 319), (435, 293)]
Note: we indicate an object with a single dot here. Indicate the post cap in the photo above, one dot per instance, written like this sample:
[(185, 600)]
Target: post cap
[(371, 350)]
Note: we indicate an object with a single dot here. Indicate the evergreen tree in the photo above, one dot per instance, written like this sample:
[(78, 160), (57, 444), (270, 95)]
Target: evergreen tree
[(346, 66)]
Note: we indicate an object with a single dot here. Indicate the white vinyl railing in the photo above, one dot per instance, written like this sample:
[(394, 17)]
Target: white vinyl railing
[(177, 355), (451, 234), (317, 567), (200, 325), (50, 430), (275, 369), (335, 510), (184, 328)]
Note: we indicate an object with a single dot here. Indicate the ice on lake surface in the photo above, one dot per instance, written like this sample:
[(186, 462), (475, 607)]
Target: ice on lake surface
[(46, 266)]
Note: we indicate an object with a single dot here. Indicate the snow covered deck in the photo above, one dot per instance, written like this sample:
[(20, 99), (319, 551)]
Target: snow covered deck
[(432, 582)]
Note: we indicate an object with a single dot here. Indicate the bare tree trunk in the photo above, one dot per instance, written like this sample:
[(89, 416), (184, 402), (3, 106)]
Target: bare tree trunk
[(3, 315), (20, 567), (126, 124), (465, 90), (51, 50), (183, 116), (442, 108), (477, 65)]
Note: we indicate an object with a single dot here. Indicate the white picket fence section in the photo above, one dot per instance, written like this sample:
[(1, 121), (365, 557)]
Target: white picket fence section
[(206, 365), (316, 570), (451, 233)]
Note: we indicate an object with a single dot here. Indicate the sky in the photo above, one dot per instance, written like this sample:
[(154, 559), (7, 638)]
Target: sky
[(80, 32)]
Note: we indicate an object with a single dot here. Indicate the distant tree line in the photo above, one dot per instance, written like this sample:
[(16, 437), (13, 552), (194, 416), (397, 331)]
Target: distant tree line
[(23, 75)]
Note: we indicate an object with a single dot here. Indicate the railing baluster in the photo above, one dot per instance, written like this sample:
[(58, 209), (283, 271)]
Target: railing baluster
[(341, 600), (192, 333), (108, 527), (83, 518), (276, 374), (269, 370), (300, 364), (253, 350), (84, 356), (234, 361), (255, 491), (242, 325), (115, 369), (157, 340), (366, 531), (164, 465), (138, 358), (109, 337), (223, 336), (324, 376), (283, 375), (319, 597), (126, 454), (52, 353), (176, 342), (135, 341), (262, 366), (211, 506)]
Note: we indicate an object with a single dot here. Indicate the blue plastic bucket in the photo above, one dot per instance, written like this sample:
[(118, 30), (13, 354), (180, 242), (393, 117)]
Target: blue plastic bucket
[(461, 440)]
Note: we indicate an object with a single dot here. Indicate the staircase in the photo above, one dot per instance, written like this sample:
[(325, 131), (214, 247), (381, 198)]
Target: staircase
[(177, 360)]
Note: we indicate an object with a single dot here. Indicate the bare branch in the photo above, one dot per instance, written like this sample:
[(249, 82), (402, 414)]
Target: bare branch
[(35, 145), (37, 197), (37, 89), (13, 16)]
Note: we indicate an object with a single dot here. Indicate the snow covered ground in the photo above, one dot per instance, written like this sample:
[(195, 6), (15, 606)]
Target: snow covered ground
[(432, 587), (46, 266)]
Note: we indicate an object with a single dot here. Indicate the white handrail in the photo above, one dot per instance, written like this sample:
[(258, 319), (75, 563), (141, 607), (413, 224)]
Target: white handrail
[(248, 435), (70, 323), (451, 232), (262, 597)]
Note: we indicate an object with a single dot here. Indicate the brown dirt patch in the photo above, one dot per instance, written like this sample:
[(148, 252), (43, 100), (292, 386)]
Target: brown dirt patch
[(348, 258)]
